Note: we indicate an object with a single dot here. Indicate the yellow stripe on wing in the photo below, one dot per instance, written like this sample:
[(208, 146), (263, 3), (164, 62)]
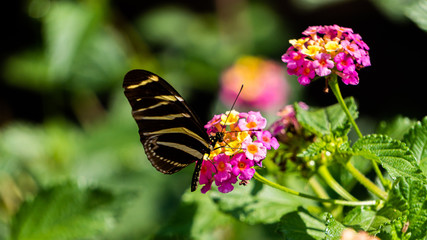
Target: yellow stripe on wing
[(182, 130)]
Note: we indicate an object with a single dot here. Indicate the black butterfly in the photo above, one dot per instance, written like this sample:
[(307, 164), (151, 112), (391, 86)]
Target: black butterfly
[(172, 135)]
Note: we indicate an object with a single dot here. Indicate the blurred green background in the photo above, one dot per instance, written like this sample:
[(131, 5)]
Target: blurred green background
[(66, 131)]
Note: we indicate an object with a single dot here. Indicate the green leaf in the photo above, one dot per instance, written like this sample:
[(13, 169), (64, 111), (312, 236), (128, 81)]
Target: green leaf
[(301, 225), (393, 155), (325, 121), (396, 230), (314, 150), (199, 218), (417, 12), (363, 218), (409, 197), (67, 26), (64, 212), (416, 140), (396, 128), (257, 203), (333, 228)]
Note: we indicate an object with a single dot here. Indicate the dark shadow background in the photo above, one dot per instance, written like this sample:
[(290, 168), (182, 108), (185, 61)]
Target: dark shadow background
[(394, 84)]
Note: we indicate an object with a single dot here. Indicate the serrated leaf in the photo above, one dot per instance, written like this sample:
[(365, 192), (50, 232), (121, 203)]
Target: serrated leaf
[(396, 230), (416, 140), (64, 212), (325, 121), (366, 219), (409, 197), (393, 155), (301, 225), (314, 149), (333, 228)]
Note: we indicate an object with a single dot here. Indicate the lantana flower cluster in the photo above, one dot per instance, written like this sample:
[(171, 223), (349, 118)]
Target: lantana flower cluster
[(326, 50), (244, 146)]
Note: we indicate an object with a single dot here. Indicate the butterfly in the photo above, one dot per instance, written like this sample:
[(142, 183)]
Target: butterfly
[(172, 135)]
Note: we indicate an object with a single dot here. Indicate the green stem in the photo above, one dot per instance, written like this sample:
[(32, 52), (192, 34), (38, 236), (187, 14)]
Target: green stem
[(365, 181), (317, 187), (333, 84), (319, 190), (326, 175), (260, 178)]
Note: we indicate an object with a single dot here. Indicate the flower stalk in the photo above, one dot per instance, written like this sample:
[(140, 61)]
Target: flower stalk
[(333, 84), (260, 178), (365, 182), (326, 175)]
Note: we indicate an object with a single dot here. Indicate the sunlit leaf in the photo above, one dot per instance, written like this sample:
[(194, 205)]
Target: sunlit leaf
[(416, 140), (333, 228), (392, 154), (366, 219), (326, 121), (407, 202), (256, 203)]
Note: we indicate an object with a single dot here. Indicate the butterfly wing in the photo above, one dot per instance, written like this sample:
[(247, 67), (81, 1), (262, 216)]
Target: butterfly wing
[(172, 135)]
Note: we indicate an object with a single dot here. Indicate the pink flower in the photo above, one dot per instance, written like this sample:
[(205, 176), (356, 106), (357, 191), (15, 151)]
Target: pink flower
[(206, 175), (265, 84), (242, 166), (226, 186), (213, 125), (351, 48), (358, 40), (254, 150), (349, 77), (323, 64), (224, 178), (306, 73), (312, 30), (287, 119), (253, 121), (293, 59), (223, 168), (364, 59), (343, 61), (267, 140)]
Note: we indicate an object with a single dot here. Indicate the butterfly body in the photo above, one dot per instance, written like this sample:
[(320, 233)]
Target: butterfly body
[(171, 134)]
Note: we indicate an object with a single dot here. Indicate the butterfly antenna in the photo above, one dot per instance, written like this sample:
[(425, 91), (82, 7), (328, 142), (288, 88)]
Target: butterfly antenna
[(231, 109), (232, 106)]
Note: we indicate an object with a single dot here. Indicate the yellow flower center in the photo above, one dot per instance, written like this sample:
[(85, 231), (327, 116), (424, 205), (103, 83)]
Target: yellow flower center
[(251, 124), (253, 148)]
